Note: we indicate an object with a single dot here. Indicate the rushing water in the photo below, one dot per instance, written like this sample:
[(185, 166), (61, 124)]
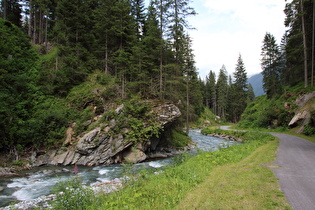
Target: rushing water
[(38, 181)]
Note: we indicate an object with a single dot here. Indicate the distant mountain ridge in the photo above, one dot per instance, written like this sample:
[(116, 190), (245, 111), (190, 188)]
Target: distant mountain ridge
[(257, 82)]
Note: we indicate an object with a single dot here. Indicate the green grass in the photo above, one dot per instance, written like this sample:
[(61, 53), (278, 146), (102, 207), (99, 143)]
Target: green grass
[(248, 184), (235, 175)]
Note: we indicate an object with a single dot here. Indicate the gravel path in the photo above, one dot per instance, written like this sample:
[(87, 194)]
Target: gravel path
[(296, 172)]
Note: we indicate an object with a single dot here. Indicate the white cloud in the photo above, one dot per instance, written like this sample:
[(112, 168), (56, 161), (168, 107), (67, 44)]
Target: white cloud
[(226, 28)]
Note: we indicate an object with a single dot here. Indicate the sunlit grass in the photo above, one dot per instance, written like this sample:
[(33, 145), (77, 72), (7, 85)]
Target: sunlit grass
[(236, 176), (248, 184)]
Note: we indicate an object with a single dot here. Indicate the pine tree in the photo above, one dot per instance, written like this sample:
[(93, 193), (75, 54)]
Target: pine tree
[(221, 93), (210, 91), (271, 66), (240, 89), (178, 18), (162, 12), (152, 45), (250, 94), (299, 23), (11, 10)]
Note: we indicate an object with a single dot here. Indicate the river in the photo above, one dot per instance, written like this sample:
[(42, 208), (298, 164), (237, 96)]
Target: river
[(38, 181)]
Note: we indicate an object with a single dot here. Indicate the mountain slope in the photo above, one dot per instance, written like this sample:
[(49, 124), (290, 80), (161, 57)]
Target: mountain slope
[(257, 82)]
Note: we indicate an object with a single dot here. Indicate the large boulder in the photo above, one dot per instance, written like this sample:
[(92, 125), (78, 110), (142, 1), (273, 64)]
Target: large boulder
[(104, 145), (134, 155), (300, 118), (166, 113)]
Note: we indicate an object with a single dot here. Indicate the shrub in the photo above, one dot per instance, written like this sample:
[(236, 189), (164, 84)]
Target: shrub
[(71, 194)]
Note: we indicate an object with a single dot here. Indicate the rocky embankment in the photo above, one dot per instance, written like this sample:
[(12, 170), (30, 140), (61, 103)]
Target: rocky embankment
[(43, 202), (103, 145), (224, 136), (305, 105), (108, 143)]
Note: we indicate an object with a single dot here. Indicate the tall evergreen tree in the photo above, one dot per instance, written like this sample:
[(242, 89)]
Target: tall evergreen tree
[(222, 91), (11, 10), (152, 48), (180, 11), (240, 89), (299, 21), (271, 66), (250, 94), (210, 93), (162, 12)]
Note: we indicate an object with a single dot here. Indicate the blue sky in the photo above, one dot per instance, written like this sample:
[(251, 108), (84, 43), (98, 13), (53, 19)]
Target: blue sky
[(227, 28)]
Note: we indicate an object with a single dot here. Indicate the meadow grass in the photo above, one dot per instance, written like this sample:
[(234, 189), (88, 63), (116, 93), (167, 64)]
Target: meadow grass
[(234, 177), (248, 184)]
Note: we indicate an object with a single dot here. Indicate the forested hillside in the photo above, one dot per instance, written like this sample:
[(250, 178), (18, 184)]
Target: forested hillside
[(288, 75), (55, 53), (59, 59)]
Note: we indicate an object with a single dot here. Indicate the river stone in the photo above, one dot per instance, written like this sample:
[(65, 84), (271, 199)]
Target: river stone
[(134, 156)]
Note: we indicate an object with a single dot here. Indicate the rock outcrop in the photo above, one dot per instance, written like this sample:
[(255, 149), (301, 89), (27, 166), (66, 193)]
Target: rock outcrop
[(305, 104), (103, 145)]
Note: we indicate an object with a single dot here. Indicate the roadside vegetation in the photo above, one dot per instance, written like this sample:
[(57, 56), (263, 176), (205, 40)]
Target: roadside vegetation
[(210, 179)]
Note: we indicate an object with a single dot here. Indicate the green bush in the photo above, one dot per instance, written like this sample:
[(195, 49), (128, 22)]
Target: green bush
[(71, 194), (178, 139), (309, 130), (265, 113)]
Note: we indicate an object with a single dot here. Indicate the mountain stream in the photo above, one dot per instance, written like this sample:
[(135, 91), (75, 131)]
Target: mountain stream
[(36, 182)]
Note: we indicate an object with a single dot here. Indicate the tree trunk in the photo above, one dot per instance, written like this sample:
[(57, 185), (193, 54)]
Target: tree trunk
[(161, 49), (106, 54), (34, 28), (46, 34), (5, 9), (41, 27), (187, 107), (305, 46), (30, 20), (313, 45)]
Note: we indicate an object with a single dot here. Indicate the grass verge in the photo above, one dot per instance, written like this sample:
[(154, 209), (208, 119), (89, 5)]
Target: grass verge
[(248, 184)]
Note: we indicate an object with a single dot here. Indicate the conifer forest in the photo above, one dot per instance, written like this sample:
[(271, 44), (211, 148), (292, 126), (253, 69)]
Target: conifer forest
[(54, 53)]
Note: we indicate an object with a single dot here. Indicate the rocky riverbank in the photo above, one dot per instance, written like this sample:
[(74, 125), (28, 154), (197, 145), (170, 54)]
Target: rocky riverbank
[(110, 140), (227, 137), (43, 202)]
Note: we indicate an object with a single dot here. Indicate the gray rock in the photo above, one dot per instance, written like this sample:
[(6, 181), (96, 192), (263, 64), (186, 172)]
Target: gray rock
[(134, 156), (300, 117), (60, 159), (120, 109), (69, 158), (88, 142)]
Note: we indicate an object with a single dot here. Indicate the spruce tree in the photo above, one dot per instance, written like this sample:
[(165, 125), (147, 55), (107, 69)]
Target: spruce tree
[(11, 10), (240, 89), (271, 66), (221, 93), (250, 93)]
